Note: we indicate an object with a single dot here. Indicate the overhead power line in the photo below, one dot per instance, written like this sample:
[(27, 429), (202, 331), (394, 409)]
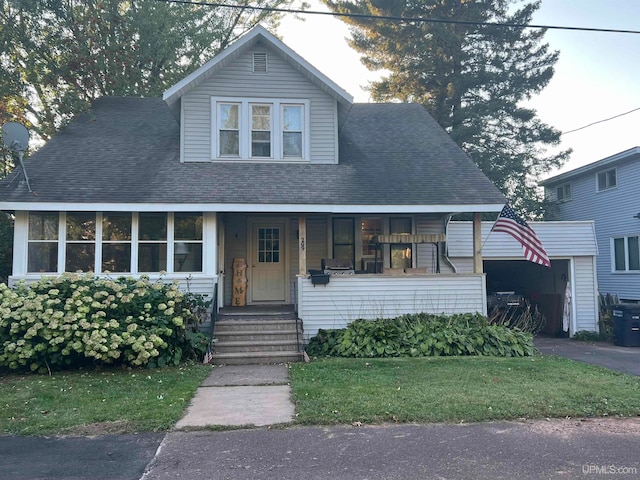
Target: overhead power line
[(398, 18), (601, 121)]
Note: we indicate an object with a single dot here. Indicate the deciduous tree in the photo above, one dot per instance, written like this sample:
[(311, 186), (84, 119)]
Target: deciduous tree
[(61, 54)]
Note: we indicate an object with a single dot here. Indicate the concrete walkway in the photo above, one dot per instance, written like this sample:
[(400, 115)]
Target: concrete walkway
[(622, 359), (241, 395)]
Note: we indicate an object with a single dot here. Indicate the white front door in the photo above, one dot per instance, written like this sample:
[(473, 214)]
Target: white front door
[(268, 266)]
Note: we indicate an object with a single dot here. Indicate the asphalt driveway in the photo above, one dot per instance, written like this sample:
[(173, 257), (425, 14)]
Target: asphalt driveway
[(622, 359)]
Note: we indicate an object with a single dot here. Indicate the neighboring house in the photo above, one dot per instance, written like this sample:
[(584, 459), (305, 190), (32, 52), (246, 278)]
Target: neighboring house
[(572, 249), (606, 191), (256, 155)]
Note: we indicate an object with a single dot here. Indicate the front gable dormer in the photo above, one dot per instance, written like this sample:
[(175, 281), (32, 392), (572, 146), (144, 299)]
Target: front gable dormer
[(259, 101)]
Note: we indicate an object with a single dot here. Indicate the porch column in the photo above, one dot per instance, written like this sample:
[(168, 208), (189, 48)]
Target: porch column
[(302, 244), (477, 242)]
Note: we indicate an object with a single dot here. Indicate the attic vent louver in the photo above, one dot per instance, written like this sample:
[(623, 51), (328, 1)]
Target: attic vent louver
[(259, 62)]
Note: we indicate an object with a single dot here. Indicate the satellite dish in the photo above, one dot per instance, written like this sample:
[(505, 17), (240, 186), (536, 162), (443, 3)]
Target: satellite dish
[(16, 137)]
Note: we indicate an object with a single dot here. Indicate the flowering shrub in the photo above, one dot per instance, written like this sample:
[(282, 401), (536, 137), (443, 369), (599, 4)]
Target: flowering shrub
[(74, 320)]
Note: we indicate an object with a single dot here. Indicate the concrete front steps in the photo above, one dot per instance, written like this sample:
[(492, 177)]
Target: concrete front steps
[(254, 335)]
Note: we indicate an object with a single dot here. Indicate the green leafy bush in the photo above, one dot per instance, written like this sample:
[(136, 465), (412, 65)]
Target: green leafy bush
[(589, 336), (77, 320), (422, 335)]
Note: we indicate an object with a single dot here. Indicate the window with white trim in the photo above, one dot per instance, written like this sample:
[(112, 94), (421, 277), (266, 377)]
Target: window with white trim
[(115, 242), (625, 254), (260, 129), (152, 242), (80, 248), (42, 248), (563, 192), (607, 179)]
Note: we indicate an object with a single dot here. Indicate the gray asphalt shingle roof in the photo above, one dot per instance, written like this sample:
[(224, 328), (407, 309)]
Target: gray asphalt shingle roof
[(126, 150)]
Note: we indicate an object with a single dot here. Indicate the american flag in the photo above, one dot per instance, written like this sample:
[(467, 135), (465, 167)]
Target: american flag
[(509, 222)]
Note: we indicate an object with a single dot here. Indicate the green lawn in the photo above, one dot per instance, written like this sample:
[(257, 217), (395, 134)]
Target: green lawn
[(444, 389), (458, 389), (97, 402)]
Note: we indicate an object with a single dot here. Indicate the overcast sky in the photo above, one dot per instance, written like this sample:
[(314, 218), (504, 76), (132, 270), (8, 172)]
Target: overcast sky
[(597, 76)]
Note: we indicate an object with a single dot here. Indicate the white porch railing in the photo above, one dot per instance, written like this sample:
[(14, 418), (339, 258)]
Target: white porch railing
[(349, 297)]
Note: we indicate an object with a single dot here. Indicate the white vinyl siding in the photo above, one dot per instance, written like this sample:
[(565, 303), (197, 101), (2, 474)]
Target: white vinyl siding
[(585, 305), (349, 297), (281, 81)]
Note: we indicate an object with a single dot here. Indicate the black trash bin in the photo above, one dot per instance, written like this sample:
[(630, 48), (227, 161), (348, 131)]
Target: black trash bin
[(626, 324)]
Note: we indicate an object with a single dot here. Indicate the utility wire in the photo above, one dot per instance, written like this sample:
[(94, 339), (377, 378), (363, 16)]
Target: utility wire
[(601, 121), (399, 19)]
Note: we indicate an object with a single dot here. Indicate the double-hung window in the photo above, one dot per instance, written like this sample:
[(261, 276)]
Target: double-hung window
[(292, 130), (626, 254), (260, 129), (42, 250), (607, 179), (228, 132), (152, 242), (563, 192), (116, 242), (81, 242)]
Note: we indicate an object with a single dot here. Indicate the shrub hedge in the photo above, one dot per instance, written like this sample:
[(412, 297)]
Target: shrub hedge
[(78, 320), (422, 334)]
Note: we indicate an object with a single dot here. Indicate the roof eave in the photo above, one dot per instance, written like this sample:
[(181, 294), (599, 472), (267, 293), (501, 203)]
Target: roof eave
[(251, 207), (618, 157)]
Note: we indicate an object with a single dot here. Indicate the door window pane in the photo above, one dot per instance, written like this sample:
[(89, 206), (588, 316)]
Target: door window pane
[(268, 245)]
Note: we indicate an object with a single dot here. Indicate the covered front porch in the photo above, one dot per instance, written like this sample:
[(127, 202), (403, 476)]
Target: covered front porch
[(395, 264)]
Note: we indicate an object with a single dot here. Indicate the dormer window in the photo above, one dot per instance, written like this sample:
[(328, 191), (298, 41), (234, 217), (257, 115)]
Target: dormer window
[(260, 129)]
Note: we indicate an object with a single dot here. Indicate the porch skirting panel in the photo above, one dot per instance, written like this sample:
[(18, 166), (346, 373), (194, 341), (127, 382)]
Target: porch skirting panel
[(349, 297)]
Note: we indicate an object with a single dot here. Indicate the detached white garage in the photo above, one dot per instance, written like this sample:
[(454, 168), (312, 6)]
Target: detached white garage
[(572, 249)]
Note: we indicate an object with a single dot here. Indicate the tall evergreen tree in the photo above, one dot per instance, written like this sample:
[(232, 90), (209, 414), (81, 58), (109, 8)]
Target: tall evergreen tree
[(61, 54), (472, 77)]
